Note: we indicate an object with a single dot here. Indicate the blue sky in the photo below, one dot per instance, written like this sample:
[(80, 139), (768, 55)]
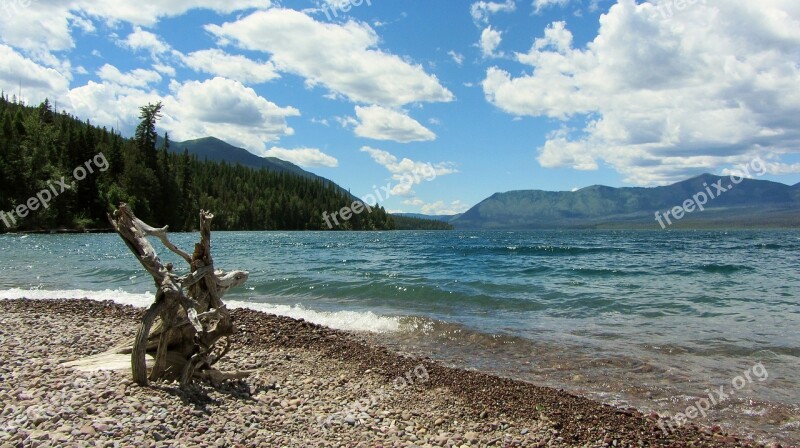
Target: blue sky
[(446, 101)]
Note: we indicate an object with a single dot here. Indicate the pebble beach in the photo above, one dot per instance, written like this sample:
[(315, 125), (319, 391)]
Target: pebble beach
[(311, 387)]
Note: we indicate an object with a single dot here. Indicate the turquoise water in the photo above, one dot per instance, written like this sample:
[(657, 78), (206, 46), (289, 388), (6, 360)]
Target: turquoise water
[(641, 318)]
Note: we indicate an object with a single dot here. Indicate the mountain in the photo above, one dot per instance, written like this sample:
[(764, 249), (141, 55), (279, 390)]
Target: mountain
[(751, 203), (214, 149)]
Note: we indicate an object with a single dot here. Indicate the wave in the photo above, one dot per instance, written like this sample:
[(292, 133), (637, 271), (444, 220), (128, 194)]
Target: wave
[(714, 268), (140, 300), (601, 272), (340, 320), (541, 250)]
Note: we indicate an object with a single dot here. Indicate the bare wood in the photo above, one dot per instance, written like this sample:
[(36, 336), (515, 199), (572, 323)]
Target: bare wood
[(187, 321)]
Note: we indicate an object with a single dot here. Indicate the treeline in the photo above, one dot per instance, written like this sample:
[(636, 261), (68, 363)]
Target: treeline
[(40, 146), (410, 223)]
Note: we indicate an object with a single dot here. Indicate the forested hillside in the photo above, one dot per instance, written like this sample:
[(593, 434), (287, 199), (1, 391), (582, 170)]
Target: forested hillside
[(402, 222), (40, 146)]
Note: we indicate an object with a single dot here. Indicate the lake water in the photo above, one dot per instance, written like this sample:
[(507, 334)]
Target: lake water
[(642, 318)]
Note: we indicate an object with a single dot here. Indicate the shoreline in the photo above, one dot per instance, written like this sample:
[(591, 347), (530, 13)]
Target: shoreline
[(313, 386)]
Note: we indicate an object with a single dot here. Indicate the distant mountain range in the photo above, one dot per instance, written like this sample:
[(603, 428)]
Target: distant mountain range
[(751, 203)]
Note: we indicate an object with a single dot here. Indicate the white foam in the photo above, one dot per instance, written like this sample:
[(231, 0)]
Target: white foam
[(118, 296), (340, 320)]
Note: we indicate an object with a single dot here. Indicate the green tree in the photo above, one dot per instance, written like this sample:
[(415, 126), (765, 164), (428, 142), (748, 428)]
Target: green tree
[(146, 135)]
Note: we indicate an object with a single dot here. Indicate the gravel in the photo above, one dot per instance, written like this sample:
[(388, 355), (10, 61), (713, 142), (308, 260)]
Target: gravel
[(312, 387)]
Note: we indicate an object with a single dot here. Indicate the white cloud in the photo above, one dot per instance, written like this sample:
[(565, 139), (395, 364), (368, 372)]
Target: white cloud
[(406, 172), (218, 107), (539, 5), (165, 69), (490, 40), (665, 99), (36, 81), (226, 109), (54, 19), (305, 157), (141, 40), (136, 78), (149, 12), (380, 123), (108, 103), (438, 207), (442, 208), (344, 58), (458, 58), (240, 68), (482, 10)]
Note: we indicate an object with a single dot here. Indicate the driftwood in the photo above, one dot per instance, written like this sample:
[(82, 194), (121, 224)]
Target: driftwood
[(187, 329)]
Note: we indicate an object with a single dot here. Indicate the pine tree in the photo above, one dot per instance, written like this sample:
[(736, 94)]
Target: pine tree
[(146, 135)]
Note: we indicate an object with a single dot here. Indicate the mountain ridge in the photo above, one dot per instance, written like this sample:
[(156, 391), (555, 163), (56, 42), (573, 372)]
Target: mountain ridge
[(218, 150), (215, 149), (749, 203)]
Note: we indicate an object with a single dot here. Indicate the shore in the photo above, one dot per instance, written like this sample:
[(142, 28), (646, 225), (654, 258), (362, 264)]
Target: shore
[(312, 386)]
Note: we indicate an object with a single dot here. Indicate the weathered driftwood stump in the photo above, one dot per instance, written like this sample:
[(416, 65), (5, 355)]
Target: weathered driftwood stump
[(187, 329)]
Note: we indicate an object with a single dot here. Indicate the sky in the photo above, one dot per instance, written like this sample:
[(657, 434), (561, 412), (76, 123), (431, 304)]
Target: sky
[(442, 103)]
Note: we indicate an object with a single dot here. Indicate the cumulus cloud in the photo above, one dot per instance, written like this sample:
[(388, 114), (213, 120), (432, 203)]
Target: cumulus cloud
[(141, 40), (226, 109), (218, 107), (56, 18), (380, 123), (662, 99), (136, 78), (344, 58), (482, 10), (38, 82), (165, 69), (109, 104), (490, 40), (305, 157), (240, 68), (406, 172)]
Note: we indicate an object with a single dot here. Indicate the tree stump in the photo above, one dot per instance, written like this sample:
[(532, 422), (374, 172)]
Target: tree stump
[(187, 328)]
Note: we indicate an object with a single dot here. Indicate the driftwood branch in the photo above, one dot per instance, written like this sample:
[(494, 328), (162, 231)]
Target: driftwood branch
[(183, 327)]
